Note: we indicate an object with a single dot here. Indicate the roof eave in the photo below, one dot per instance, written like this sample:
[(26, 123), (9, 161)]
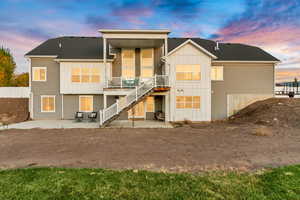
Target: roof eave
[(195, 44)]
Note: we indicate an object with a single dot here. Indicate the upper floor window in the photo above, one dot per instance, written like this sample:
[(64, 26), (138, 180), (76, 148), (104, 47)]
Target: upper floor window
[(188, 72), (147, 63), (217, 73), (128, 63), (85, 75), (39, 73)]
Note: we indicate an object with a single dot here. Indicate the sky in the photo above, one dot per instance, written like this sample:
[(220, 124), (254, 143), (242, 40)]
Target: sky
[(273, 25)]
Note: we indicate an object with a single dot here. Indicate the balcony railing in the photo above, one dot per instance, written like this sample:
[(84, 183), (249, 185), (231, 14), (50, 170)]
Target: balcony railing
[(122, 82)]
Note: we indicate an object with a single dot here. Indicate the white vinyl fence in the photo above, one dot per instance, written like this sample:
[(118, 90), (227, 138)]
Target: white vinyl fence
[(14, 92)]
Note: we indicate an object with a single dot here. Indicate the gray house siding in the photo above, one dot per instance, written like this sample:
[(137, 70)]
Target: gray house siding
[(71, 104), (240, 78), (117, 63), (48, 87)]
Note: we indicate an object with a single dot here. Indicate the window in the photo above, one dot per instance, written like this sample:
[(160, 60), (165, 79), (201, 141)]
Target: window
[(128, 63), (150, 104), (39, 73), (188, 73), (75, 75), (147, 63), (188, 102), (85, 75), (47, 103), (217, 73), (86, 103)]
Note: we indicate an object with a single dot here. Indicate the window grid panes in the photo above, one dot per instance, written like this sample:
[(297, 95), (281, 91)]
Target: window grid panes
[(150, 104), (188, 102), (85, 75), (217, 73), (48, 104), (128, 63), (39, 74), (188, 72), (147, 63), (86, 103)]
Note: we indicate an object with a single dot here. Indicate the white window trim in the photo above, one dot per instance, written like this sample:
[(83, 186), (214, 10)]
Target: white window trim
[(138, 117), (92, 103), (90, 76), (141, 58), (190, 81), (188, 109), (153, 110), (38, 68), (43, 111), (133, 61), (222, 72)]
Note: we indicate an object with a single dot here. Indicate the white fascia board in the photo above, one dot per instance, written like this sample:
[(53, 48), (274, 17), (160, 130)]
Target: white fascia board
[(196, 45), (243, 61), (134, 31), (81, 60), (41, 56)]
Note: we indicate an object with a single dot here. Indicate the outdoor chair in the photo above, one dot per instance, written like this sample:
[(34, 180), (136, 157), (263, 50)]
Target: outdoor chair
[(93, 116), (159, 115), (79, 116)]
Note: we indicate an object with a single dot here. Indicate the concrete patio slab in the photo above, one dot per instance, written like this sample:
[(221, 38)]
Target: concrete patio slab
[(66, 124), (52, 124), (139, 124)]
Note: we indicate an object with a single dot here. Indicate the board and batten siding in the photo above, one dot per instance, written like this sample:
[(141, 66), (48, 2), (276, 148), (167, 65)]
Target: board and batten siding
[(189, 54), (243, 83), (66, 85)]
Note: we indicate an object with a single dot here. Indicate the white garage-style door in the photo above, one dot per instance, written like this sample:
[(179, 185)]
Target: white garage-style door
[(236, 102)]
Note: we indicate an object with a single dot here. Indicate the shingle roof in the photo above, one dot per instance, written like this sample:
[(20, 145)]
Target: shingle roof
[(92, 48), (71, 48), (227, 51)]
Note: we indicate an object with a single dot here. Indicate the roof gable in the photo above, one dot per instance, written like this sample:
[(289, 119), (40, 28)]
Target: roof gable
[(189, 41)]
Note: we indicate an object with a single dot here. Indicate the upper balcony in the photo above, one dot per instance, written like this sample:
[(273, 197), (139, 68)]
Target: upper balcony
[(137, 56)]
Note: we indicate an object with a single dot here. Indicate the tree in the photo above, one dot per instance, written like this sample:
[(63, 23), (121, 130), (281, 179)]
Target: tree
[(7, 67), (21, 80)]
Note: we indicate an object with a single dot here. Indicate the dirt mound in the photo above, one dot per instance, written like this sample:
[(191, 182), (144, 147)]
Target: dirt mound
[(271, 112), (13, 110)]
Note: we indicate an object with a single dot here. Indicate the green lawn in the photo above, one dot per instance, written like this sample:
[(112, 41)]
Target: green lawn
[(81, 184)]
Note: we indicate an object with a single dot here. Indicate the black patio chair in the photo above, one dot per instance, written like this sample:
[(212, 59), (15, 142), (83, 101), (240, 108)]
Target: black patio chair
[(79, 116), (93, 116)]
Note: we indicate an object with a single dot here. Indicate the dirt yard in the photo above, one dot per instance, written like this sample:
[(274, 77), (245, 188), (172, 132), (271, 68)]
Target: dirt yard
[(228, 145)]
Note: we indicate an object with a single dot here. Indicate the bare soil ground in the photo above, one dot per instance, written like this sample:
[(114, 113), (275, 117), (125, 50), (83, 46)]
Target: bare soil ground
[(245, 145)]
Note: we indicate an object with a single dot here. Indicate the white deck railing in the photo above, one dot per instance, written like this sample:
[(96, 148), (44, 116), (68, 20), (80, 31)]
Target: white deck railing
[(134, 95)]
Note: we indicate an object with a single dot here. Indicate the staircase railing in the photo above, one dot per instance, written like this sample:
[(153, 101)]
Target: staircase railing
[(133, 96)]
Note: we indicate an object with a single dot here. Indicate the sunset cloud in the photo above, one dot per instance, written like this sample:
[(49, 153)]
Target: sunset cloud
[(273, 25)]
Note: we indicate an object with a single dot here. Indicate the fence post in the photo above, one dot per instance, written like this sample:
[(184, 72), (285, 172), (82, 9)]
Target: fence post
[(117, 106), (100, 117), (121, 79), (136, 93), (155, 84)]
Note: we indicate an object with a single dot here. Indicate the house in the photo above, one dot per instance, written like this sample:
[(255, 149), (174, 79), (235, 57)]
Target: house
[(144, 73)]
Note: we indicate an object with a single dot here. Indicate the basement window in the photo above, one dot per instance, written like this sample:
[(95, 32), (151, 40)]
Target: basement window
[(86, 103), (47, 103), (188, 102)]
